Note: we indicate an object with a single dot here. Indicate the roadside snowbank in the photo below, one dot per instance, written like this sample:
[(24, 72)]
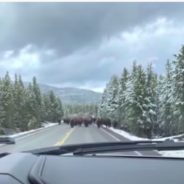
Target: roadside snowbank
[(176, 138), (132, 137), (44, 125), (127, 135), (49, 124), (178, 153)]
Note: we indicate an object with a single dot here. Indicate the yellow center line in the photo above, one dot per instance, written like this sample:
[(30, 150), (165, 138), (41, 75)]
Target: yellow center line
[(63, 140)]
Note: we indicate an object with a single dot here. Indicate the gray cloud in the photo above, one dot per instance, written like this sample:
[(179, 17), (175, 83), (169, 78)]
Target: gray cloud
[(83, 44), (70, 26)]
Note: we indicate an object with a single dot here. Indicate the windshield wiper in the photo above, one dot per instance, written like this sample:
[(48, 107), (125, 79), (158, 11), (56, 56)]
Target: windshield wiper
[(142, 146), (81, 149)]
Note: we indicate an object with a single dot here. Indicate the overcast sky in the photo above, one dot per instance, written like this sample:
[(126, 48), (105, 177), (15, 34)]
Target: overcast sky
[(83, 44)]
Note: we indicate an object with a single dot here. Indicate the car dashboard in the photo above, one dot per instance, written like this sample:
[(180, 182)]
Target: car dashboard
[(27, 168)]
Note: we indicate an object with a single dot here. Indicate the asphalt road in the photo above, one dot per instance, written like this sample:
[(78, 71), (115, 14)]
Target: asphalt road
[(63, 135)]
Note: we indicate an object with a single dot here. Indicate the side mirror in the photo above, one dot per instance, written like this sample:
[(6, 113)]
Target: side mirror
[(7, 140)]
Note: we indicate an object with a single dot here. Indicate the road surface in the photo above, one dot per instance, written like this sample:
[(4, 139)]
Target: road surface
[(63, 135)]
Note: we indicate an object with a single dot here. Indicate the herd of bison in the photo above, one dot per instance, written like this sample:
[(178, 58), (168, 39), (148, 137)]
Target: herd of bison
[(87, 121)]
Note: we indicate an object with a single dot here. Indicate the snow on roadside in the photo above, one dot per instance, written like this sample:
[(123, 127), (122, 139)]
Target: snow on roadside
[(44, 125), (174, 138), (177, 153), (127, 135), (132, 137), (48, 124)]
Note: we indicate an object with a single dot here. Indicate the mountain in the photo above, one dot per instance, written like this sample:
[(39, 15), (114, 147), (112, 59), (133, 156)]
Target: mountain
[(71, 95)]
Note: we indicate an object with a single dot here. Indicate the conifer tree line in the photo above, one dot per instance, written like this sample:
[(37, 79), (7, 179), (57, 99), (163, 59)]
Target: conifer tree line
[(145, 103), (80, 110), (24, 107)]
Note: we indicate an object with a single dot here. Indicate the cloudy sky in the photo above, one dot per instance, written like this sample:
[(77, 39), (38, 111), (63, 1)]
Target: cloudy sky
[(83, 44)]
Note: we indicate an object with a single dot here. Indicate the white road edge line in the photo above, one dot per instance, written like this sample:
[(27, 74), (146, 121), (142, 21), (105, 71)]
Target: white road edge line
[(110, 135), (156, 151), (117, 139), (33, 133), (24, 136), (138, 153)]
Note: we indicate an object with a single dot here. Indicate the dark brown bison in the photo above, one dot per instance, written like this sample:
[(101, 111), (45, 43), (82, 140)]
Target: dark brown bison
[(103, 121), (66, 120)]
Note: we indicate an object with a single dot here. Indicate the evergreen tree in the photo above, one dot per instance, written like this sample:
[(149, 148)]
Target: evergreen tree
[(102, 110), (2, 110), (53, 107), (46, 107), (179, 90), (137, 114), (166, 97), (59, 110), (150, 105), (7, 105), (34, 104), (31, 104), (20, 118), (25, 108), (112, 98), (38, 100), (123, 86)]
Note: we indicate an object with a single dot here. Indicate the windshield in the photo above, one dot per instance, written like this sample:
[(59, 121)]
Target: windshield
[(75, 73)]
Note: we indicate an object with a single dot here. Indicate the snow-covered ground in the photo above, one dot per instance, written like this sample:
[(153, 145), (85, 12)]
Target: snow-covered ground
[(127, 135), (44, 125), (178, 153), (176, 138)]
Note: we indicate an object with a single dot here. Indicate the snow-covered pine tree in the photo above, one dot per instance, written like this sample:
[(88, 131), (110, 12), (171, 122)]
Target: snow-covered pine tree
[(136, 107), (2, 110), (167, 102), (179, 90), (24, 108), (59, 110), (7, 105), (150, 106), (112, 98), (159, 105), (108, 107), (53, 107), (38, 100), (122, 95), (30, 107), (102, 109), (24, 101), (129, 98), (33, 105), (19, 97), (45, 107)]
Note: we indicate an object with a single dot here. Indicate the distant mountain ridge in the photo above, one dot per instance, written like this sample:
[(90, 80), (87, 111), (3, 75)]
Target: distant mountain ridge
[(70, 95)]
